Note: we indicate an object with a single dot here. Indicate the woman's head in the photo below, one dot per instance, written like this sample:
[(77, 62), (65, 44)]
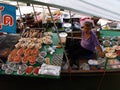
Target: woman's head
[(88, 26)]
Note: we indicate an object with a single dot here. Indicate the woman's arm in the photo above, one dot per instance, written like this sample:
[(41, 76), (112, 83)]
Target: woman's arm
[(101, 53)]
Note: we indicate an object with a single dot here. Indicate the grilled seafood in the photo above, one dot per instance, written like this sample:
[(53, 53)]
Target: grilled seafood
[(14, 51), (17, 59), (20, 52), (32, 60), (4, 66), (23, 66), (5, 52), (27, 52), (20, 72), (35, 52), (10, 57), (36, 70), (29, 70), (8, 71), (25, 59)]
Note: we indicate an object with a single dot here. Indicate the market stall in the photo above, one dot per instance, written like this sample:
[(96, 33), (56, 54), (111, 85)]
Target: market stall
[(19, 62), (46, 42)]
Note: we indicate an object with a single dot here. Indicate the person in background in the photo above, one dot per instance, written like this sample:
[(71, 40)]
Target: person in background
[(19, 26), (87, 45)]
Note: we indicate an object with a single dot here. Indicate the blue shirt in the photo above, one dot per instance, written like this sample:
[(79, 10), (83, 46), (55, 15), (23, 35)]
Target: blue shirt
[(89, 43)]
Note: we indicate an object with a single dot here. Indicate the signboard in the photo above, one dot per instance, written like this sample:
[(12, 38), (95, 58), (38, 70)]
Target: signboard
[(7, 18)]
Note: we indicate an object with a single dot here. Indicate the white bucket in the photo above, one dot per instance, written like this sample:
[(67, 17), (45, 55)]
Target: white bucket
[(63, 36)]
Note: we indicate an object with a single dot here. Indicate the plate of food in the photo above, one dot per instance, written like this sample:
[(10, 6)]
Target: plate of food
[(111, 55), (107, 37), (4, 66), (43, 53), (29, 70), (8, 71), (20, 72), (116, 38), (118, 42), (40, 59), (92, 62), (106, 43), (116, 47), (109, 50), (113, 62), (114, 43)]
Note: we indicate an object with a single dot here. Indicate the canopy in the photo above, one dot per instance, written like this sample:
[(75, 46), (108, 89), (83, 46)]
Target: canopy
[(108, 9)]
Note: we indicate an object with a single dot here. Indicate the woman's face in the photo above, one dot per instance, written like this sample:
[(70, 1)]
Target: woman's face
[(87, 29)]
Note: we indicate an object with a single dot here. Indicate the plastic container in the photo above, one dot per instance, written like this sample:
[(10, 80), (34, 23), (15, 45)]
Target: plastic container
[(20, 72), (8, 71), (63, 36), (36, 70), (29, 70), (40, 59)]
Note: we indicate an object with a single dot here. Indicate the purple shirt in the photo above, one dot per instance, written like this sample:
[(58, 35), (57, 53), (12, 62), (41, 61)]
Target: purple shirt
[(89, 43)]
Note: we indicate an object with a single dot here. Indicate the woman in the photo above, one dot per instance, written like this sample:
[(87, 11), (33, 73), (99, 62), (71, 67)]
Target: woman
[(87, 46)]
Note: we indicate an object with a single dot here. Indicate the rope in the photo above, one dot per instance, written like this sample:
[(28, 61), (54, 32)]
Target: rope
[(20, 15), (71, 22), (69, 70), (100, 83), (58, 35), (36, 15)]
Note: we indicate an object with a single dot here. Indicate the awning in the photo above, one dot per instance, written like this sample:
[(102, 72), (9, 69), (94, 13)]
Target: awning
[(108, 9)]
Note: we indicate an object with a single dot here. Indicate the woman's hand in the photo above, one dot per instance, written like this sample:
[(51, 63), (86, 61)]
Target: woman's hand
[(102, 54)]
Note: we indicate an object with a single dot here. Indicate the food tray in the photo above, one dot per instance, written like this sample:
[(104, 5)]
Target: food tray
[(7, 45), (57, 59), (32, 32)]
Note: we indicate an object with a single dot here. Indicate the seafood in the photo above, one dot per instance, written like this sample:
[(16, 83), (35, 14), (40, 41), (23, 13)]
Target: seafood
[(10, 57), (16, 67), (26, 34), (27, 52), (4, 66), (20, 72), (40, 59), (11, 65), (14, 51), (32, 33), (38, 45), (25, 59), (8, 71), (32, 60), (48, 33), (5, 52), (40, 40), (35, 52), (114, 43), (36, 70), (107, 38), (116, 38), (31, 45), (47, 60), (17, 59), (29, 70), (18, 45), (109, 49), (43, 53), (20, 52), (111, 55), (34, 40), (106, 43), (23, 67), (116, 47)]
